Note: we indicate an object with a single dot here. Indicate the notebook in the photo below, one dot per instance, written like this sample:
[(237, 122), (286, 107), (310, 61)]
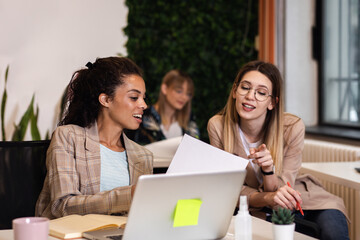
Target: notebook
[(180, 206)]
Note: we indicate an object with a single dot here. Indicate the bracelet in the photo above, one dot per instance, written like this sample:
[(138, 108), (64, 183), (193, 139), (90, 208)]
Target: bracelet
[(266, 173)]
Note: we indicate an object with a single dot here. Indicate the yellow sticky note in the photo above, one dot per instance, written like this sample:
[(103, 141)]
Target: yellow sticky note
[(187, 212)]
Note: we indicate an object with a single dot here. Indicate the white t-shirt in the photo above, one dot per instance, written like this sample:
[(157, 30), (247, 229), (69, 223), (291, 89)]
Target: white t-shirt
[(114, 169), (247, 147), (174, 130)]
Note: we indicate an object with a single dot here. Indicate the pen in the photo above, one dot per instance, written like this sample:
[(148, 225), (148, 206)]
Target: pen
[(297, 203)]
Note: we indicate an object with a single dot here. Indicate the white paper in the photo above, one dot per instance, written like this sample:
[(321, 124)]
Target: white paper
[(164, 149), (194, 155)]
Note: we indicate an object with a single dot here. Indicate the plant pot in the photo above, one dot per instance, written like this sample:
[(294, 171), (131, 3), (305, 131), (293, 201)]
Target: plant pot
[(283, 232)]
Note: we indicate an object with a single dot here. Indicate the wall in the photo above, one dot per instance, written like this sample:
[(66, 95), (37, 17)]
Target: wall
[(300, 69), (45, 41)]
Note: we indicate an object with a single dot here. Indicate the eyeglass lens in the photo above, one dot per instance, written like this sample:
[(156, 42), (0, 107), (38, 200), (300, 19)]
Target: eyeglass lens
[(261, 94)]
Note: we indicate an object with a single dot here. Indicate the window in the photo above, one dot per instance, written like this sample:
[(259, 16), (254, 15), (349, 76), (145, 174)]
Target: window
[(339, 63)]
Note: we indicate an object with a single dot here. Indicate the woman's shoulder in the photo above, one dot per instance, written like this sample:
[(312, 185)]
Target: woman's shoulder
[(216, 119), (70, 129), (67, 135), (291, 119), (293, 122), (135, 147), (216, 122)]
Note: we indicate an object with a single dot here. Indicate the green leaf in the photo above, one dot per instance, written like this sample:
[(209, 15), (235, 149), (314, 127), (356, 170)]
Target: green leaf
[(20, 129), (16, 134), (6, 74), (3, 105), (35, 134), (47, 135), (282, 216)]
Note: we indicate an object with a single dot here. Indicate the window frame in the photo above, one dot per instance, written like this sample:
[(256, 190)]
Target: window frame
[(325, 128)]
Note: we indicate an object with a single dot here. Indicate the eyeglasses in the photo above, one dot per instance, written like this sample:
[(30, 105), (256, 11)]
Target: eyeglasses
[(261, 94)]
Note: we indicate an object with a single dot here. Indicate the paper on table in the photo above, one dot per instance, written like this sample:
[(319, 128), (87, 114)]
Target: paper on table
[(164, 149), (194, 155)]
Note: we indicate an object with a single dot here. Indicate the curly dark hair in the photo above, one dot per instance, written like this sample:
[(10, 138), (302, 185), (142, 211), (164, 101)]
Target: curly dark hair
[(102, 76)]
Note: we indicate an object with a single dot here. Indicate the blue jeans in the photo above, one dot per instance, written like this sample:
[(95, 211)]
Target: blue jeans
[(332, 223)]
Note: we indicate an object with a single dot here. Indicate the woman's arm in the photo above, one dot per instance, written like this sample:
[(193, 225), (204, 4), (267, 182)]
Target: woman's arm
[(294, 144), (285, 197), (262, 157)]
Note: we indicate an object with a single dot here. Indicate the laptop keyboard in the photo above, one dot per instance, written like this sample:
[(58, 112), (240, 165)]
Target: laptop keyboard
[(115, 237)]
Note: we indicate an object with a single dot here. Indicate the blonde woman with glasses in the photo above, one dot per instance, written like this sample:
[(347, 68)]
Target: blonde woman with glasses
[(253, 125)]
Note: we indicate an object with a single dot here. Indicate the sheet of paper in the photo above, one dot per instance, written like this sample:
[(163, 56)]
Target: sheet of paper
[(194, 155), (187, 212), (164, 149)]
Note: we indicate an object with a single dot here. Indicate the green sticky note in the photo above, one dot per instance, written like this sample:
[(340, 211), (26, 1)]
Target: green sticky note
[(187, 212)]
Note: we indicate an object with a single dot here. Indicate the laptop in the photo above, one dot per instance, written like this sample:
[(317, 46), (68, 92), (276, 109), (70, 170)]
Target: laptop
[(180, 206)]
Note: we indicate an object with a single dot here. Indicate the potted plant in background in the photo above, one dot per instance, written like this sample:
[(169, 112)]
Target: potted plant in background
[(29, 117), (283, 224)]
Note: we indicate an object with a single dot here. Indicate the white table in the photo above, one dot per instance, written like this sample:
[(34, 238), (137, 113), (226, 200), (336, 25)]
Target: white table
[(342, 173), (161, 162), (262, 230)]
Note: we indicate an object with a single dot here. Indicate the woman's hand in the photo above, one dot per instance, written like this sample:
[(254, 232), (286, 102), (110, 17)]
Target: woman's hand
[(285, 197), (262, 157)]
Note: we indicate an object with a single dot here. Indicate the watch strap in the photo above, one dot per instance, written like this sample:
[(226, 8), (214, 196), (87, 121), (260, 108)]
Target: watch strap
[(266, 173)]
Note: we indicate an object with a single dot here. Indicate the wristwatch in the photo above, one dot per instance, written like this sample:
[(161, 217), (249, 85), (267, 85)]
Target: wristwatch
[(267, 173)]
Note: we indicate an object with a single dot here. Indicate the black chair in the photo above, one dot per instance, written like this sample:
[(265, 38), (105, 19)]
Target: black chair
[(22, 173)]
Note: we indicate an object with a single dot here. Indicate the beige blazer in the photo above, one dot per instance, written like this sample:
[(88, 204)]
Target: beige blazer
[(314, 196), (72, 183)]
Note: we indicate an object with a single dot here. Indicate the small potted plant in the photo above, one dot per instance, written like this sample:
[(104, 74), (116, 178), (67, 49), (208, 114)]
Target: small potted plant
[(283, 224)]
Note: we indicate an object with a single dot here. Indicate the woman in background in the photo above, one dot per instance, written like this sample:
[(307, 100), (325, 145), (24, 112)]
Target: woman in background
[(92, 167), (171, 115), (253, 125)]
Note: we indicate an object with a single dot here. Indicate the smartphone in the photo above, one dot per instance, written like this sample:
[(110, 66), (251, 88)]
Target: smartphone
[(357, 169)]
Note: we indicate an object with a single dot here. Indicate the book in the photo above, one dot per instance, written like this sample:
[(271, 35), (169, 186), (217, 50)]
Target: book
[(74, 225)]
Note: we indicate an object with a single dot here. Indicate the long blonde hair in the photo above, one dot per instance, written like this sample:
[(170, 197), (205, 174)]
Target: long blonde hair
[(172, 79), (273, 128)]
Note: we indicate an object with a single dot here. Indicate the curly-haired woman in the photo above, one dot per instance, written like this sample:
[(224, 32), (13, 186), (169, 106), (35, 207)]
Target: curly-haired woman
[(92, 167)]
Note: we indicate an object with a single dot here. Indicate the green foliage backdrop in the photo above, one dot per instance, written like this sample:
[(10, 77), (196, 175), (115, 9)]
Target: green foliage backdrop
[(210, 40)]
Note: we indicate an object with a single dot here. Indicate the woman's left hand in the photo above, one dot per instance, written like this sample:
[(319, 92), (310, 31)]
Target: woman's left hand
[(262, 157)]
